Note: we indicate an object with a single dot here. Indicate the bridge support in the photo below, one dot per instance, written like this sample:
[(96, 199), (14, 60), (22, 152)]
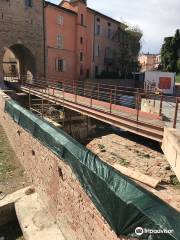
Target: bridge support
[(171, 149)]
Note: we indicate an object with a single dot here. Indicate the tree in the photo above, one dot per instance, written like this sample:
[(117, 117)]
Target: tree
[(170, 53), (178, 66), (126, 55)]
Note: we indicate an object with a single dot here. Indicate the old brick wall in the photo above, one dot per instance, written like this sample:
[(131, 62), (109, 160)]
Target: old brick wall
[(54, 180), (22, 25)]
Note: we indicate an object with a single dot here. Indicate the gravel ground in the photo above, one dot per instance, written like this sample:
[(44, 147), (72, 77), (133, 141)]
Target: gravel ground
[(12, 178), (12, 175), (145, 157)]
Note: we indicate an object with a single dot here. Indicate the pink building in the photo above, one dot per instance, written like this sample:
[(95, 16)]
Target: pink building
[(79, 41)]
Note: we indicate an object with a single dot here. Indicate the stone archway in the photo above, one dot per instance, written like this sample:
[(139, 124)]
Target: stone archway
[(20, 59), (11, 67)]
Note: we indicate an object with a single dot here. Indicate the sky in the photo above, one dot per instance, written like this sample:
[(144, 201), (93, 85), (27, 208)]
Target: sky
[(156, 18)]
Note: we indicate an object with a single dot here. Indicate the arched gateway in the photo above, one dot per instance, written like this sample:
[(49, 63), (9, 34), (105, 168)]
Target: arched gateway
[(18, 61), (21, 38)]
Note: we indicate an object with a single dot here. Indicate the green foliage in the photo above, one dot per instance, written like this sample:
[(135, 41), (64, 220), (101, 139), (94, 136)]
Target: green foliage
[(126, 56), (170, 53), (178, 78), (178, 66), (123, 162)]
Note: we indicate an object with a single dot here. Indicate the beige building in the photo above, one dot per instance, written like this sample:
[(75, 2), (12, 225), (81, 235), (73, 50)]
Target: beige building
[(149, 62)]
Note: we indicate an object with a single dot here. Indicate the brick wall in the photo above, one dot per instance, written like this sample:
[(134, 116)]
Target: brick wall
[(54, 180)]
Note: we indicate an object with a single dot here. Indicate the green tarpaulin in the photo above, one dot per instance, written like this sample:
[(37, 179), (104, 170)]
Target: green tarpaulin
[(123, 203)]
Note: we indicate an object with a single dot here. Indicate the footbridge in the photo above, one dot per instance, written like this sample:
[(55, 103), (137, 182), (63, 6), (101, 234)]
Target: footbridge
[(132, 109)]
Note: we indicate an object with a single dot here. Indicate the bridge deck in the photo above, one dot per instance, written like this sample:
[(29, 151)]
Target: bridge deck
[(133, 120)]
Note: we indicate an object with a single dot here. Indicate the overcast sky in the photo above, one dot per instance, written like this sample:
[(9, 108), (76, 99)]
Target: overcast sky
[(156, 18)]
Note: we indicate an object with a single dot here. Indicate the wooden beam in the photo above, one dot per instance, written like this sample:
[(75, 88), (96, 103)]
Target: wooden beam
[(150, 181)]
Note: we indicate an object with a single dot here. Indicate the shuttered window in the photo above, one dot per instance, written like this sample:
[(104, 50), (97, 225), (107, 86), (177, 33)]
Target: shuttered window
[(60, 65), (60, 20), (60, 41), (28, 3), (97, 50)]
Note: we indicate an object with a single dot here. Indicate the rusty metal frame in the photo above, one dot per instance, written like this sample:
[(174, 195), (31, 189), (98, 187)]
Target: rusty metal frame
[(47, 90)]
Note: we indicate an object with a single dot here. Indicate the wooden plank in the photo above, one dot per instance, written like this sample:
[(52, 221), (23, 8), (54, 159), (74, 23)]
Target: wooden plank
[(150, 181)]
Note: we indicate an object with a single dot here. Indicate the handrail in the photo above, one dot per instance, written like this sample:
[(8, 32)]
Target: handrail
[(115, 96)]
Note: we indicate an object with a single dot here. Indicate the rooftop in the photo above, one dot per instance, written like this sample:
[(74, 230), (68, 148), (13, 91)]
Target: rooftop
[(59, 7)]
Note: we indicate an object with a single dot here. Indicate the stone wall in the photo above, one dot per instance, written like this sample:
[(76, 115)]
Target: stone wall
[(59, 188), (171, 148), (23, 26)]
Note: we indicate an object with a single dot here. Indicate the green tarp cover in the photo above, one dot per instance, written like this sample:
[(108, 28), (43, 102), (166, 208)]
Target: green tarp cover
[(123, 203)]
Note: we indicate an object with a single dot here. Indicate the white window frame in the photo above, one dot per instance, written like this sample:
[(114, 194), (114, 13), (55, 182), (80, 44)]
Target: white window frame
[(60, 41), (60, 65), (60, 20)]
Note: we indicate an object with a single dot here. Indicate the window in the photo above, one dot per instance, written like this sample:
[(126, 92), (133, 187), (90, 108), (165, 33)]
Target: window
[(60, 65), (82, 19), (87, 73), (98, 29), (13, 69), (81, 56), (109, 24), (98, 19), (109, 33), (108, 52), (97, 50), (60, 20), (96, 71), (81, 70), (28, 3), (81, 40), (59, 41)]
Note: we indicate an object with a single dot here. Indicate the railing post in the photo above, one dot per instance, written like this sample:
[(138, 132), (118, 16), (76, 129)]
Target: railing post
[(98, 90), (176, 112), (30, 98), (110, 100), (138, 107), (83, 89), (91, 97), (115, 94), (76, 92), (42, 102), (154, 101), (161, 105), (63, 91)]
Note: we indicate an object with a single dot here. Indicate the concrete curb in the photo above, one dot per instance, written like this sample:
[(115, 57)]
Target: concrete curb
[(34, 219)]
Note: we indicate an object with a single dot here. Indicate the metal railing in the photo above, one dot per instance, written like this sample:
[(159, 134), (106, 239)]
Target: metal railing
[(113, 99)]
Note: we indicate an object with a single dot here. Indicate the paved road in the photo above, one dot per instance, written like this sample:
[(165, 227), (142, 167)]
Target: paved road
[(168, 112)]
